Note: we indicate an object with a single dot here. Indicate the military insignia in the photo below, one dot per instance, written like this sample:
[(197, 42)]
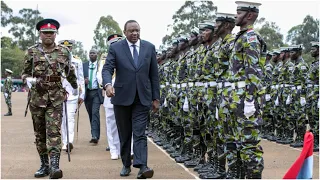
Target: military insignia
[(251, 36)]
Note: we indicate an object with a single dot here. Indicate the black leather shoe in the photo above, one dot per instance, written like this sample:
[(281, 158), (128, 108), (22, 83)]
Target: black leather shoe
[(71, 147), (95, 140), (125, 171), (91, 141), (108, 148), (145, 173)]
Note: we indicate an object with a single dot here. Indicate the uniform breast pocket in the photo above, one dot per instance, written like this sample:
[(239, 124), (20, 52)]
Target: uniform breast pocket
[(40, 64)]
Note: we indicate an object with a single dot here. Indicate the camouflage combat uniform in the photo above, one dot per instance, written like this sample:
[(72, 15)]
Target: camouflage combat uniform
[(47, 95), (7, 93), (245, 62)]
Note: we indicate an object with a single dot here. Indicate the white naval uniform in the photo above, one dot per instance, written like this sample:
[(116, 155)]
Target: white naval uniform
[(111, 126), (72, 102)]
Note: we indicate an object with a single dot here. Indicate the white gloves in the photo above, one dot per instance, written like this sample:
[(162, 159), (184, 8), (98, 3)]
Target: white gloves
[(249, 109), (75, 92), (268, 97), (185, 105), (289, 100), (31, 81), (165, 102), (6, 95), (277, 102), (303, 101)]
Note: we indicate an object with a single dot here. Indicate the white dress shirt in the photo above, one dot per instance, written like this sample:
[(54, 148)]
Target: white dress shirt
[(94, 75), (137, 46)]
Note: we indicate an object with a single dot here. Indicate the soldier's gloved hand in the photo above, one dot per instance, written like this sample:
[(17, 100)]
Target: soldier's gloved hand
[(303, 101), (185, 105), (268, 97), (249, 109), (289, 100), (31, 81), (277, 102), (6, 95), (165, 102), (75, 92)]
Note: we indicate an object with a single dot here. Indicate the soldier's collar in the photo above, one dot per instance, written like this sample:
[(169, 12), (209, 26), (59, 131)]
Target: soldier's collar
[(246, 29)]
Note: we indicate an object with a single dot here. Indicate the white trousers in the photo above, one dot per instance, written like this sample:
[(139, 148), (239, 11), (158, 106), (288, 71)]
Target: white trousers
[(71, 107), (112, 132)]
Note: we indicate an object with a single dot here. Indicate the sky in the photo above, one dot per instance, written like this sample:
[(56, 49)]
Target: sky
[(78, 19)]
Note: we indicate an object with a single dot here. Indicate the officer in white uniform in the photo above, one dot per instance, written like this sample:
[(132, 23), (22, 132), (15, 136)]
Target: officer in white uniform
[(111, 126), (75, 98)]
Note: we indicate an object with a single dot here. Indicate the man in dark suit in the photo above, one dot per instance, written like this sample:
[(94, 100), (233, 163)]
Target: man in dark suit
[(136, 88), (93, 94)]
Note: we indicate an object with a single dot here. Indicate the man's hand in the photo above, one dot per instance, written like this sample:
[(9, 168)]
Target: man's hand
[(80, 101), (155, 105), (110, 91), (86, 81)]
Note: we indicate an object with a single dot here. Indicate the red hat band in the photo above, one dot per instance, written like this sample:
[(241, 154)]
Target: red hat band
[(48, 26)]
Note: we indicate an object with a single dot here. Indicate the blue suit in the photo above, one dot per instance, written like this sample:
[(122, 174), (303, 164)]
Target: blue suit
[(136, 86), (92, 100)]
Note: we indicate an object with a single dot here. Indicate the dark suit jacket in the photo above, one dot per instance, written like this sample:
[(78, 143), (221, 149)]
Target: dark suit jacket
[(86, 75), (130, 79)]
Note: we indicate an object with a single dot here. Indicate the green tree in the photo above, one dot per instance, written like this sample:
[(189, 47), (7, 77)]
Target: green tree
[(6, 14), (23, 27), (11, 58), (78, 50), (188, 16), (7, 42), (304, 33), (270, 32), (105, 27)]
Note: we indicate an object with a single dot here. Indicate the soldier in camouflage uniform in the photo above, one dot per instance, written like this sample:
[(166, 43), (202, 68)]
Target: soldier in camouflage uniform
[(246, 97), (313, 94), (285, 98), (268, 126), (186, 142), (7, 91), (44, 66), (275, 94), (172, 100), (299, 94), (209, 128)]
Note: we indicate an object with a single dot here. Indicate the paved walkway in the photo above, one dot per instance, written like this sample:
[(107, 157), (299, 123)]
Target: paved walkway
[(19, 159)]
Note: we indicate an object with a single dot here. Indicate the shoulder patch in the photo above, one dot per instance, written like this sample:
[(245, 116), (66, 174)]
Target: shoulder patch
[(251, 36)]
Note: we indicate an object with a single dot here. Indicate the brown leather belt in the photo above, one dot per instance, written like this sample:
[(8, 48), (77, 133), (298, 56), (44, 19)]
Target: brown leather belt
[(50, 78)]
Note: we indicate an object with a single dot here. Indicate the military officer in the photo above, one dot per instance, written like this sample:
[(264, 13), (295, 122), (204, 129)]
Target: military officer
[(44, 66), (75, 98), (7, 91)]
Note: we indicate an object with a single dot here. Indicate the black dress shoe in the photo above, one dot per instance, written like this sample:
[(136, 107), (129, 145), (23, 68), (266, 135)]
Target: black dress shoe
[(108, 148), (125, 171), (145, 173), (95, 140), (91, 141), (71, 147)]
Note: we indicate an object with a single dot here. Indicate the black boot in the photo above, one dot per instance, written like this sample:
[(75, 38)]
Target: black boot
[(9, 113), (44, 167), (195, 158), (251, 175), (232, 172), (55, 172)]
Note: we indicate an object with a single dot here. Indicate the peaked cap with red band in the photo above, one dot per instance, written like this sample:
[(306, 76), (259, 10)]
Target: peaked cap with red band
[(48, 25), (113, 38)]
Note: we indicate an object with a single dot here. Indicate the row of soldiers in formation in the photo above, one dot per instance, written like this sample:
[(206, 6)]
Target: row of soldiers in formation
[(221, 93)]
